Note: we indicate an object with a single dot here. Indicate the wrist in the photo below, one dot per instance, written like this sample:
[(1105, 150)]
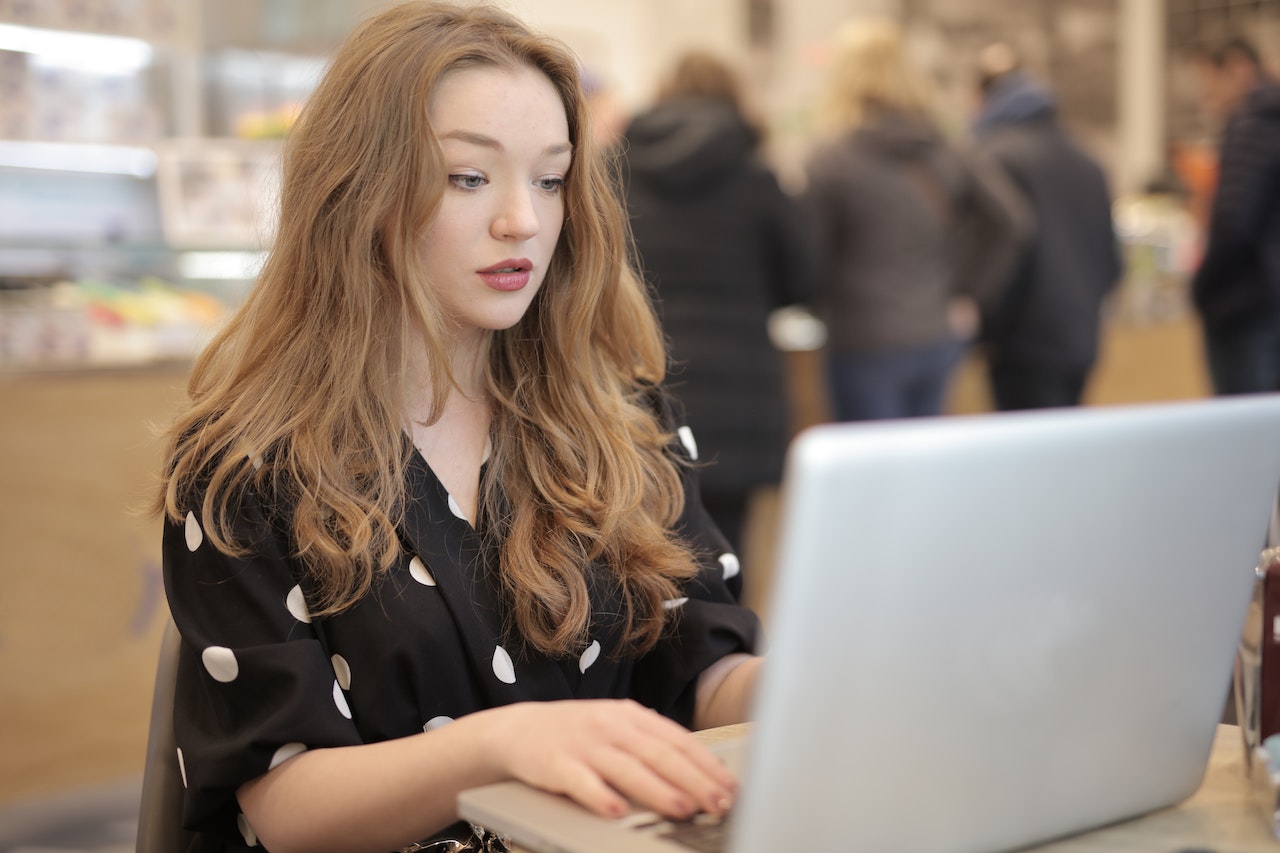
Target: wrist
[(491, 739)]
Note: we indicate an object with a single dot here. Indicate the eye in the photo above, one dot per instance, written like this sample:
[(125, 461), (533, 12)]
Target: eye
[(467, 181), (552, 185)]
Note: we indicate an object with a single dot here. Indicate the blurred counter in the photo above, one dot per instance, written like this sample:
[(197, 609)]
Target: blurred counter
[(80, 592)]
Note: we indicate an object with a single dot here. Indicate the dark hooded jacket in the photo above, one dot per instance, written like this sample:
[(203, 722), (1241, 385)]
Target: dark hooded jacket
[(1050, 313), (723, 246), (906, 222), (1239, 276)]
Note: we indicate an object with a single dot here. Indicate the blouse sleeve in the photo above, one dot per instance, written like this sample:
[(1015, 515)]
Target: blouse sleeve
[(254, 686), (709, 622)]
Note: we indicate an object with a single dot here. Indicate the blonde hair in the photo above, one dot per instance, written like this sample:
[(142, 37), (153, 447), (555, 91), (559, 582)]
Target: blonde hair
[(301, 395), (870, 73)]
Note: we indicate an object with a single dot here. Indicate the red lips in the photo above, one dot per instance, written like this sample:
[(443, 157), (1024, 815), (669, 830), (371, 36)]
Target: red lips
[(509, 275)]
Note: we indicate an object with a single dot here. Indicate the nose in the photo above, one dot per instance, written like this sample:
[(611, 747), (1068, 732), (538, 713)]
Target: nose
[(517, 215)]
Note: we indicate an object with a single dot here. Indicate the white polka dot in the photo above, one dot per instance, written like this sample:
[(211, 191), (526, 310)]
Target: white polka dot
[(194, 534), (182, 767), (689, 442), (730, 564), (503, 667), (246, 832), (284, 753), (341, 701), (297, 605), (256, 460), (673, 603), (221, 663), (436, 722), (342, 669), (589, 656), (418, 571), (455, 509)]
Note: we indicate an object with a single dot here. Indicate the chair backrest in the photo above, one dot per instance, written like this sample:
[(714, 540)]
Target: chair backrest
[(160, 814)]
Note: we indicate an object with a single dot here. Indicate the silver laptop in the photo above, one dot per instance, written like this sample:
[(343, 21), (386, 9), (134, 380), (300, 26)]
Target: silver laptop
[(986, 631)]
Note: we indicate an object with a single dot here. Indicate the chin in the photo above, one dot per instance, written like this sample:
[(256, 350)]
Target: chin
[(501, 324)]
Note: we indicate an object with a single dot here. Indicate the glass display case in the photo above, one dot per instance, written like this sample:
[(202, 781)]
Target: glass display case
[(111, 270), (127, 234)]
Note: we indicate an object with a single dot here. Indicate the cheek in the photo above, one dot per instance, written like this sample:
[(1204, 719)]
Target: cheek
[(553, 224), (440, 239)]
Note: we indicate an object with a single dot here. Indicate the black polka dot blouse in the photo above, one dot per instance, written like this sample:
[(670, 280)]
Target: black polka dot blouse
[(261, 680)]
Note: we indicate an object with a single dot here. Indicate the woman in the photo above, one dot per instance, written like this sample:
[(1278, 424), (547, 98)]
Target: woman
[(427, 476), (912, 233), (723, 246)]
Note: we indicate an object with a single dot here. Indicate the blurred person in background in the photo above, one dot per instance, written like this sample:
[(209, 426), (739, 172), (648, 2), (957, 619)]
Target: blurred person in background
[(1236, 288), (723, 246), (914, 233), (1041, 338)]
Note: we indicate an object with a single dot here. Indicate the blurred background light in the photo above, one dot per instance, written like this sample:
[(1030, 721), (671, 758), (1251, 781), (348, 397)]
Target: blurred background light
[(85, 51)]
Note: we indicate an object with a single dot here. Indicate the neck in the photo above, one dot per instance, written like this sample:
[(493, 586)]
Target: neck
[(466, 357)]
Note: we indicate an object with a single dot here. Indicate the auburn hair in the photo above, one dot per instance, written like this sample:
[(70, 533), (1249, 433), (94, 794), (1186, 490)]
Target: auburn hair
[(301, 396)]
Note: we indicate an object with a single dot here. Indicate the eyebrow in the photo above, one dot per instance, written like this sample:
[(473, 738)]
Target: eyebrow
[(484, 141)]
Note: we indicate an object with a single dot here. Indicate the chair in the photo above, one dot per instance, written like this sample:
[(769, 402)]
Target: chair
[(160, 814)]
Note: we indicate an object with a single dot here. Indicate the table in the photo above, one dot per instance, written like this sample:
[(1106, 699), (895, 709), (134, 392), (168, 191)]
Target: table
[(1223, 815)]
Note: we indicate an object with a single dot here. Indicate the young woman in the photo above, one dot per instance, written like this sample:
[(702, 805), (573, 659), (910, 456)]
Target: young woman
[(430, 520)]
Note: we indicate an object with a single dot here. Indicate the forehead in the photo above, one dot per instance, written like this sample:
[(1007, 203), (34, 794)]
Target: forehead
[(499, 100)]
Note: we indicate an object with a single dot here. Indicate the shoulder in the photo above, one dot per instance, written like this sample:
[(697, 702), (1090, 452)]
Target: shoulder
[(662, 403), (669, 413), (235, 500), (1258, 122), (840, 164), (763, 189), (1006, 140), (835, 152)]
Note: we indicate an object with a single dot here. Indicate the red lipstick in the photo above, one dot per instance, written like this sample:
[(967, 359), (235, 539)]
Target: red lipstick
[(509, 275)]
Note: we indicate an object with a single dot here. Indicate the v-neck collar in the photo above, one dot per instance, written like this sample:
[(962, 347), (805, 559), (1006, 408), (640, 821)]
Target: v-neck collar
[(465, 573)]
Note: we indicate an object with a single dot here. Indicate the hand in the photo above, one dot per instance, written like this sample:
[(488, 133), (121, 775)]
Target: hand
[(602, 753)]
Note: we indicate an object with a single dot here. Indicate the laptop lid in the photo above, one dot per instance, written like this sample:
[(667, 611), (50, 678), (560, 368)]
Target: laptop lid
[(994, 630)]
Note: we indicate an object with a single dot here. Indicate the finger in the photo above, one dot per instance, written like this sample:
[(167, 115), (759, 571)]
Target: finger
[(586, 787), (710, 764), (632, 777), (709, 783), (679, 738)]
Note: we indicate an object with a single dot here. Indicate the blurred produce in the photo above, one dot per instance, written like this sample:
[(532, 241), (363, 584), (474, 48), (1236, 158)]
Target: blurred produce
[(100, 323)]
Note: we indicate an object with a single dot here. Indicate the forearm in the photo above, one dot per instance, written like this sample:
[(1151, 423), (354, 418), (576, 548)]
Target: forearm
[(374, 797), (726, 697), (378, 797)]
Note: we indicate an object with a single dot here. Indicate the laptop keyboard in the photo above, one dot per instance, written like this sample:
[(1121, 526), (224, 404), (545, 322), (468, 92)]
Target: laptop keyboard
[(704, 834)]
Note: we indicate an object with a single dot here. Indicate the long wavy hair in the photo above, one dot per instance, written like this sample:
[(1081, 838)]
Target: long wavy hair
[(302, 396), (870, 73)]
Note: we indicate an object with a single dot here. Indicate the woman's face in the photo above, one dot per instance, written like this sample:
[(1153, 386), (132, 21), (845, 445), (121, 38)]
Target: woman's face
[(505, 140)]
